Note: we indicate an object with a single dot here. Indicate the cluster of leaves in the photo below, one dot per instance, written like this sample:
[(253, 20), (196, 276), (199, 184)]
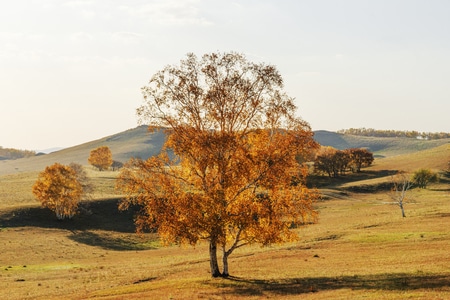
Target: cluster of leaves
[(60, 188), (224, 174), (336, 162), (395, 133), (10, 153), (101, 158)]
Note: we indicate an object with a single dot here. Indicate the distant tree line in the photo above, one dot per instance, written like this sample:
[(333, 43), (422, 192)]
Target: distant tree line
[(10, 153), (336, 162), (395, 133)]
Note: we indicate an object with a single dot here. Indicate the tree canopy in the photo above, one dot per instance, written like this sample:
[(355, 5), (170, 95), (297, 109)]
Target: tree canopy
[(58, 189), (336, 162), (101, 158), (226, 172)]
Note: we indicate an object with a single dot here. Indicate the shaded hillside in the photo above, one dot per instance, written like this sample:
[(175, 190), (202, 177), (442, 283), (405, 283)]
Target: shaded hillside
[(136, 142), (380, 146)]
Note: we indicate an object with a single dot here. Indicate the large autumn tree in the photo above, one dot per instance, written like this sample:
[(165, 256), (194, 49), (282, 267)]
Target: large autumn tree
[(226, 172)]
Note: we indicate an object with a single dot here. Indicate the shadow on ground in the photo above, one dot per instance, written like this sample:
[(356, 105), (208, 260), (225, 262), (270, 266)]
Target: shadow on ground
[(98, 224), (321, 181), (127, 242), (295, 286), (94, 215)]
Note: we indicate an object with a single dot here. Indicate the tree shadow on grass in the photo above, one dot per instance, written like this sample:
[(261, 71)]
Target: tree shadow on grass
[(296, 286), (321, 181), (99, 224), (94, 215), (114, 242)]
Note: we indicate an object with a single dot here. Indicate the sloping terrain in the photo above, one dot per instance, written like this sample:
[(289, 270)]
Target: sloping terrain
[(136, 142), (379, 175), (435, 158), (380, 146)]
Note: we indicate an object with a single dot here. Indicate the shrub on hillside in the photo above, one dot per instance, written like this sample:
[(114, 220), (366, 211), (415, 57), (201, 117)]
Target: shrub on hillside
[(422, 177)]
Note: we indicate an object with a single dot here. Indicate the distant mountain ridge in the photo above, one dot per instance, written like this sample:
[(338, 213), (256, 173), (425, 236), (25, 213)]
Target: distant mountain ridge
[(139, 142)]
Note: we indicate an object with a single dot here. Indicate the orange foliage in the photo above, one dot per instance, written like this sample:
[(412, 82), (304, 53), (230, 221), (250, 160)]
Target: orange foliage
[(58, 189), (235, 142), (101, 158)]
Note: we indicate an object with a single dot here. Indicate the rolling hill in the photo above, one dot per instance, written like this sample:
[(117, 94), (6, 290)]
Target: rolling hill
[(138, 142), (380, 146)]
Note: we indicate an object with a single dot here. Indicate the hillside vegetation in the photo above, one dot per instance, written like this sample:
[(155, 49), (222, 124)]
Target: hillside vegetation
[(395, 133), (10, 153)]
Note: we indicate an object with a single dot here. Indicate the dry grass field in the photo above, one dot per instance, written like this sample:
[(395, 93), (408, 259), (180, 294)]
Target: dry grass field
[(361, 248)]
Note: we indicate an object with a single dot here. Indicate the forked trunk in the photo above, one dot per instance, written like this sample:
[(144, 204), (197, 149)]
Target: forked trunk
[(215, 272)]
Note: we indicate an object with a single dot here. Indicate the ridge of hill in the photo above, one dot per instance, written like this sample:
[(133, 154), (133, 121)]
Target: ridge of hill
[(138, 142)]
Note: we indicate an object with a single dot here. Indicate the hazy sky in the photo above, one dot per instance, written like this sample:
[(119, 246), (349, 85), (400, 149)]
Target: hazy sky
[(71, 71)]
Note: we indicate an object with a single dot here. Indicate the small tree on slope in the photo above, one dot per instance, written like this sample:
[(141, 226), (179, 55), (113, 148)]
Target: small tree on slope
[(58, 189), (400, 187), (101, 158)]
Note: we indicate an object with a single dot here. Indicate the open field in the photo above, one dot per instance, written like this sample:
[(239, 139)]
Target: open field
[(361, 248)]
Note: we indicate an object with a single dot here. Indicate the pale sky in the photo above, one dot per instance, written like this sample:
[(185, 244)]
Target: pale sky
[(71, 71)]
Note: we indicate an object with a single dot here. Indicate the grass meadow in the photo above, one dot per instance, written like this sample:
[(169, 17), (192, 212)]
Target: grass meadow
[(361, 248)]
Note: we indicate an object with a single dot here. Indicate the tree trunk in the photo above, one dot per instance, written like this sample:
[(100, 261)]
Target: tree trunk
[(215, 272), (225, 264), (403, 210)]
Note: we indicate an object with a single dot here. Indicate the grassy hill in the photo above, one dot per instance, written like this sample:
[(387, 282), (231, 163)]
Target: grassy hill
[(379, 175), (435, 158), (136, 142), (380, 146)]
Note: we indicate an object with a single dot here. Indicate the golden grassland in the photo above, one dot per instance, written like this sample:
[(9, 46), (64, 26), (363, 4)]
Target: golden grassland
[(361, 248)]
